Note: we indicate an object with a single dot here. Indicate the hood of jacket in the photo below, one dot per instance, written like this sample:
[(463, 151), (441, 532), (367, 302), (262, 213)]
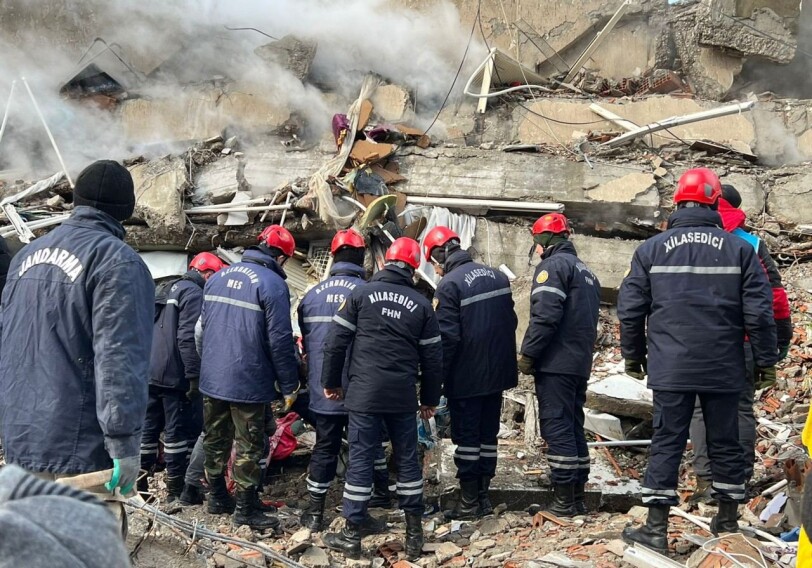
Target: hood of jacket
[(347, 269), (394, 275), (562, 247), (694, 217), (258, 256), (457, 259), (90, 217)]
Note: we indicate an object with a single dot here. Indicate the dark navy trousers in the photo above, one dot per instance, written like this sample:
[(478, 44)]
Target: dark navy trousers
[(474, 430), (330, 429), (365, 443), (181, 420), (672, 419), (561, 416)]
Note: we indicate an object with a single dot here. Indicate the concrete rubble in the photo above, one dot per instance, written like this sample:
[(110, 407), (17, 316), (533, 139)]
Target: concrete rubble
[(290, 53)]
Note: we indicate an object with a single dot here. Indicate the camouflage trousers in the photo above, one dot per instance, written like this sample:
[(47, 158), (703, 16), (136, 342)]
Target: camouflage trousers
[(240, 424)]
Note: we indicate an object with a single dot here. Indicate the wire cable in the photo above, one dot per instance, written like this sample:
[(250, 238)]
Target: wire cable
[(459, 70)]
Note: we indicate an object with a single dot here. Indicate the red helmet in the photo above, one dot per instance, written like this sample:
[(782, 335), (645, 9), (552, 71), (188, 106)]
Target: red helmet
[(551, 223), (437, 237), (206, 261), (700, 185), (276, 236), (405, 250), (347, 238)]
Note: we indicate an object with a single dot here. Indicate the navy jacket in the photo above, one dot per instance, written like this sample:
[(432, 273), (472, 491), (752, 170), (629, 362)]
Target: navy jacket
[(246, 332), (393, 332), (564, 304), (474, 306), (690, 296), (316, 311), (77, 315), (177, 308)]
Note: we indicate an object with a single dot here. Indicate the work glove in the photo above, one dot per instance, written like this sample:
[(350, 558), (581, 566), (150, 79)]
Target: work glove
[(636, 369), (783, 351), (765, 377), (125, 474), (194, 388), (290, 399), (526, 365)]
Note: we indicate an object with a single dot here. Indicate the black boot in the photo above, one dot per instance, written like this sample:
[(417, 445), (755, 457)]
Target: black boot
[(248, 514), (192, 495), (259, 505), (313, 517), (381, 498), (485, 507), (414, 536), (725, 521), (580, 499), (563, 504), (220, 501), (654, 533), (468, 505), (371, 525), (347, 541), (174, 486)]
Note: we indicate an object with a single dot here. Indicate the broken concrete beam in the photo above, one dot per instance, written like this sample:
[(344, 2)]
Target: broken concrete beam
[(218, 182), (391, 103), (620, 395), (206, 236), (790, 199), (267, 170), (159, 188), (290, 53), (471, 173), (764, 34)]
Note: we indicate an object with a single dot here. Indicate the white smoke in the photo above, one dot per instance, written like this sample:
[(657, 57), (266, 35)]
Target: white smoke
[(42, 40)]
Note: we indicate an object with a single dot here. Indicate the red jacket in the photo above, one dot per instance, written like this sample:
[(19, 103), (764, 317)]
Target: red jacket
[(733, 219)]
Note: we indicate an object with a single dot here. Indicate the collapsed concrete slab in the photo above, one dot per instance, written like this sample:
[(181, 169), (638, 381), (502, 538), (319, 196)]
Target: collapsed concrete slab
[(199, 114), (159, 188), (753, 196), (218, 182), (290, 53), (471, 173), (790, 199), (765, 34), (620, 395), (534, 130)]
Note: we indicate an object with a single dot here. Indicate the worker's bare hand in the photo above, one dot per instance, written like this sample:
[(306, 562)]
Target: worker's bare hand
[(427, 412), (334, 394)]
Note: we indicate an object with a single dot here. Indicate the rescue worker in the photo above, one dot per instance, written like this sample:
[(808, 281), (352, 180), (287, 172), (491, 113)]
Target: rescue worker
[(557, 351), (474, 307), (77, 315), (691, 295), (247, 346), (174, 405), (733, 221), (393, 332), (316, 311)]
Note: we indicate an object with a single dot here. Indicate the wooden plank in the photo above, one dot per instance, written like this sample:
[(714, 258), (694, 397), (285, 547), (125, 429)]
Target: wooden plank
[(484, 89)]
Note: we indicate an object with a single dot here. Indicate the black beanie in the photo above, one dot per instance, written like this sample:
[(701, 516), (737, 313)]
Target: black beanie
[(731, 195), (107, 186)]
